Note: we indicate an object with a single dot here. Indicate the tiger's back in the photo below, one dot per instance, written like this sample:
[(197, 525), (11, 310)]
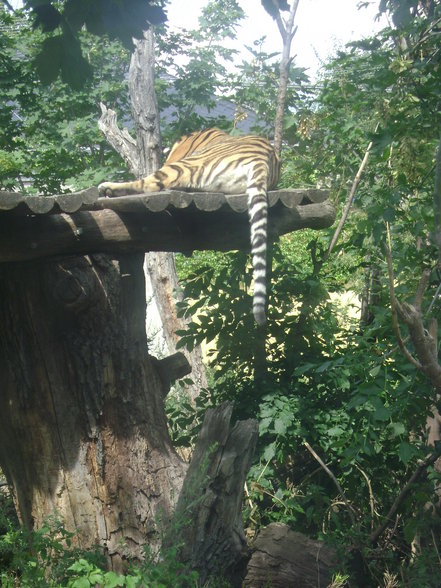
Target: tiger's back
[(213, 161)]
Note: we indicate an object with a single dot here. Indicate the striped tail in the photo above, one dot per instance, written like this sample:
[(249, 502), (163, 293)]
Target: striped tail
[(258, 212)]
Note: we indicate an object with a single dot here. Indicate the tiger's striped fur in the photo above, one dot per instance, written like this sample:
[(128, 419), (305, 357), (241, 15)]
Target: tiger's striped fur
[(213, 161)]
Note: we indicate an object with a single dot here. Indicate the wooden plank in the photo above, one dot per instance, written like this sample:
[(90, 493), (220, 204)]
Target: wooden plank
[(109, 231)]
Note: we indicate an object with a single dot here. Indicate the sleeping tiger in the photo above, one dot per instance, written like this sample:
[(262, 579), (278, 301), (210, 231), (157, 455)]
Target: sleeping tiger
[(213, 161)]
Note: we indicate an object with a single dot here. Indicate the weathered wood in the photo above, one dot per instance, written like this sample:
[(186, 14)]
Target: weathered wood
[(101, 231), (283, 558), (143, 160), (89, 199), (208, 516), (82, 424), (171, 368)]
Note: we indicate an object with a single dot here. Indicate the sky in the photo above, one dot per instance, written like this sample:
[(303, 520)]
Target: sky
[(323, 26)]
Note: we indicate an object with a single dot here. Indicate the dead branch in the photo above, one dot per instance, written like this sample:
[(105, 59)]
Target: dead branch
[(334, 479), (120, 140), (423, 464), (349, 199), (287, 32), (371, 494)]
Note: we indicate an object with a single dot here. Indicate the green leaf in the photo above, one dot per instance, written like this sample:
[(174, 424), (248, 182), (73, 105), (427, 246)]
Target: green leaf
[(375, 371), (406, 451), (81, 583), (269, 452), (279, 426), (81, 565), (111, 580), (397, 429), (96, 577), (382, 413)]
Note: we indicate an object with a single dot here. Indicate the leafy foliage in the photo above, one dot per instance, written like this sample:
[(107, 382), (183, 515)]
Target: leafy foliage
[(336, 384), (60, 52), (49, 140), (48, 558)]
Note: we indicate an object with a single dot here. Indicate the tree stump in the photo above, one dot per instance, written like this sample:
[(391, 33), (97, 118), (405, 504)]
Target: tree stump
[(209, 511), (83, 430)]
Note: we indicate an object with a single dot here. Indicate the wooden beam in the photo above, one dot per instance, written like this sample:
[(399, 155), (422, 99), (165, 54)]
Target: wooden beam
[(107, 231)]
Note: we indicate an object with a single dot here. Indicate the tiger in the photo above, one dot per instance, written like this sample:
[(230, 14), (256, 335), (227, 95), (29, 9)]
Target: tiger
[(214, 161)]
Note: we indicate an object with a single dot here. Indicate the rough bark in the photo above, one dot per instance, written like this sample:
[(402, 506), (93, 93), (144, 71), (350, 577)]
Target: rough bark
[(210, 505), (144, 105), (82, 424), (283, 558)]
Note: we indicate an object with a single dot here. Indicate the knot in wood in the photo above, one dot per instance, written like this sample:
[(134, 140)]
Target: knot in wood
[(72, 284)]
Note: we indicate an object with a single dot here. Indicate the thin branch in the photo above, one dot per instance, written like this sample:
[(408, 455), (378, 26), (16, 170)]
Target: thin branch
[(437, 202), (350, 199), (395, 305), (287, 32), (334, 479), (401, 496), (279, 21), (371, 494), (434, 299), (421, 288)]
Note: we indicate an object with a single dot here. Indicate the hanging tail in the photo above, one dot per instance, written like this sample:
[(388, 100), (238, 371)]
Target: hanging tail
[(258, 213)]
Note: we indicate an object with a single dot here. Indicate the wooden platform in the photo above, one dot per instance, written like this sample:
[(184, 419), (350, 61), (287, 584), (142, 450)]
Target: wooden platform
[(33, 227)]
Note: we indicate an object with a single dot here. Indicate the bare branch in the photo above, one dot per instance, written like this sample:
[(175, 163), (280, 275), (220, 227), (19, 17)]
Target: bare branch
[(334, 479), (421, 289), (395, 305), (423, 464), (349, 199), (279, 22), (423, 342), (287, 32), (371, 494), (123, 143)]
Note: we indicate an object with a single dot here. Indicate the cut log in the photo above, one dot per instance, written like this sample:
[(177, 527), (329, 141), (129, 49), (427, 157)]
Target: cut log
[(283, 558)]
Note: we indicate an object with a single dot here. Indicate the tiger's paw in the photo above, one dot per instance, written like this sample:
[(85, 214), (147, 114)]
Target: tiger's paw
[(105, 189)]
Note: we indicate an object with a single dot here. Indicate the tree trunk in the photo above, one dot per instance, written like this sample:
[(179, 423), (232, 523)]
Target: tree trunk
[(161, 270), (82, 425), (142, 161), (209, 510), (287, 32)]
